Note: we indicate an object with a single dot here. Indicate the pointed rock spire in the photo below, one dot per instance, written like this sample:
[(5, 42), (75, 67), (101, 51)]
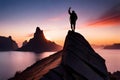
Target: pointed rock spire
[(39, 34), (39, 43)]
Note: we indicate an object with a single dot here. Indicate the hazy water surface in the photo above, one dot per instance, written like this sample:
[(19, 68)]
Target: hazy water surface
[(112, 57), (13, 61)]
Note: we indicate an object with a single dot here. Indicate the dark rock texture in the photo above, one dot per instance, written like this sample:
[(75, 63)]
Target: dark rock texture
[(24, 43), (115, 75), (39, 43), (7, 44), (77, 61), (114, 46)]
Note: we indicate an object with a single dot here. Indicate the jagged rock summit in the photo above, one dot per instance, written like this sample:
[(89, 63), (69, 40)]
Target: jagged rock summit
[(7, 44), (39, 43), (77, 61)]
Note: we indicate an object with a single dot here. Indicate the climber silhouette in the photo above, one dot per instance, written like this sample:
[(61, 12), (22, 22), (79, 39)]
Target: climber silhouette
[(73, 18)]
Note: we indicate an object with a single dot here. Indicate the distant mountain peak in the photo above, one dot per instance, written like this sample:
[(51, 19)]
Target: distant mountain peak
[(7, 44), (39, 43), (113, 46), (39, 34)]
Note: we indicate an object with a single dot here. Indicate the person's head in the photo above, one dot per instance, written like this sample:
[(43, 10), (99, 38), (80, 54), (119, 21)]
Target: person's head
[(73, 11)]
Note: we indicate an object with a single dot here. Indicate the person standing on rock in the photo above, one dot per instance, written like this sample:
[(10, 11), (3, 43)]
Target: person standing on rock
[(73, 18)]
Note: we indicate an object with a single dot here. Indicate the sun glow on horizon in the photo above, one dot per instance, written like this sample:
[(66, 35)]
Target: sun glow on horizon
[(21, 25), (94, 35), (48, 38)]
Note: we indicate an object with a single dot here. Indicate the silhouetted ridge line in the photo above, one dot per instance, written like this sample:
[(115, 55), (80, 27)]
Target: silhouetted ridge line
[(76, 36), (79, 59), (114, 46), (39, 43), (7, 44), (78, 47), (39, 35)]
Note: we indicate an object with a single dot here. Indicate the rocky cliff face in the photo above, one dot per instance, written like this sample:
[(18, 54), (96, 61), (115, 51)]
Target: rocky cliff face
[(115, 75), (7, 44), (77, 61), (39, 43), (82, 59)]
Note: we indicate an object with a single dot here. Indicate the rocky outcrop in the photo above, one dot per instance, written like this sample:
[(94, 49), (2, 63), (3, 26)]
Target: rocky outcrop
[(114, 46), (39, 43), (82, 59), (77, 61), (7, 44), (115, 75), (24, 43)]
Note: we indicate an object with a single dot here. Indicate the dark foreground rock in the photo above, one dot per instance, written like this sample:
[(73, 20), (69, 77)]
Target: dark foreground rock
[(7, 44), (115, 75), (77, 61), (39, 43)]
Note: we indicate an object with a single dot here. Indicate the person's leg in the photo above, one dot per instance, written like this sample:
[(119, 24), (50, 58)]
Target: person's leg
[(71, 25), (74, 26)]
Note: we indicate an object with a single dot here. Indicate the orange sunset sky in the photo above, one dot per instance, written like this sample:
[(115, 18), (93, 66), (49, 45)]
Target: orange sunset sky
[(98, 20)]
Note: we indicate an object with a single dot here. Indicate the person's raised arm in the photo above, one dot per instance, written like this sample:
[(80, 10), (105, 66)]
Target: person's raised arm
[(69, 10)]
